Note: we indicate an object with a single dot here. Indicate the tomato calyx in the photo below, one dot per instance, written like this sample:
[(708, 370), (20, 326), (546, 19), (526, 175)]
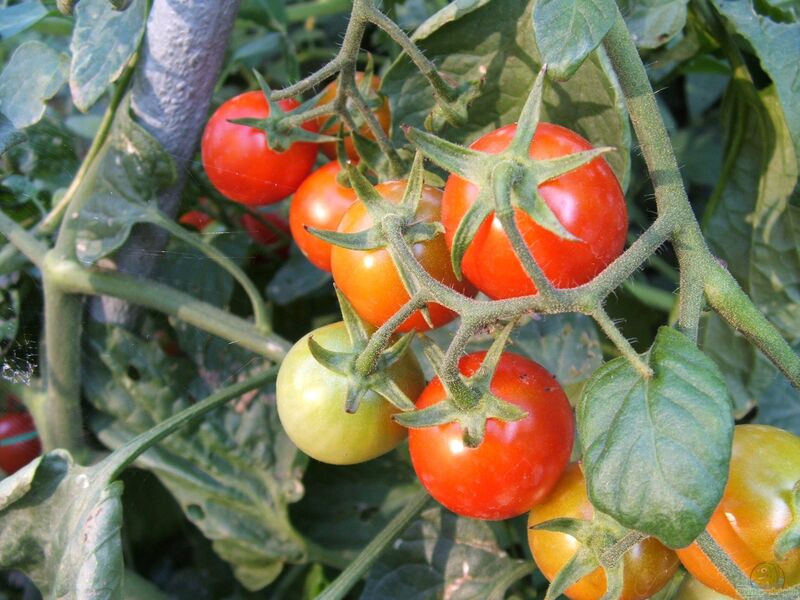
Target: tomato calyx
[(454, 110), (470, 401), (362, 379), (506, 181), (603, 542), (282, 127), (389, 218)]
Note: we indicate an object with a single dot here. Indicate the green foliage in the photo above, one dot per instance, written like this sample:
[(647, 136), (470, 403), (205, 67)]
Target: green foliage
[(653, 23), (664, 441)]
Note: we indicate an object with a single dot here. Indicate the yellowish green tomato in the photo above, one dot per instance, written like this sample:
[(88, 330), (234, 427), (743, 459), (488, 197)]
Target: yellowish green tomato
[(311, 403)]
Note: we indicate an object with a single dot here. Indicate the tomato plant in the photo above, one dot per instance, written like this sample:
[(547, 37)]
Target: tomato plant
[(648, 566), (331, 127), (755, 509), (517, 463), (319, 202), (238, 159), (369, 278), (587, 201), (19, 442), (311, 404)]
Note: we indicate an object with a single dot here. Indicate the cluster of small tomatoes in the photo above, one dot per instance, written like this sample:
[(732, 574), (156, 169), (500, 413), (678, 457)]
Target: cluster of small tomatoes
[(520, 466)]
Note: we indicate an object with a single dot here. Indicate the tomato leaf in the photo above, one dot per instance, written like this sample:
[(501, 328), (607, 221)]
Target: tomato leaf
[(467, 562), (233, 473), (656, 451), (19, 17), (33, 75), (103, 41), (653, 23), (493, 40), (296, 278), (60, 524), (567, 31)]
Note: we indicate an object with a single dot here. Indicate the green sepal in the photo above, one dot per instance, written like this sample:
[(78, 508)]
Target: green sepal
[(580, 529), (464, 162), (550, 168), (530, 201), (280, 137), (483, 376), (480, 210), (369, 239), (413, 191), (615, 579), (389, 390), (580, 565), (338, 362), (357, 329), (438, 414), (789, 539), (422, 232), (376, 205), (454, 112), (529, 118), (433, 353)]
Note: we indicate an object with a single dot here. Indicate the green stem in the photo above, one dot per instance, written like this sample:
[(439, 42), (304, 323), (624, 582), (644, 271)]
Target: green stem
[(621, 342), (733, 305), (358, 568), (74, 278), (62, 426), (121, 458), (22, 240)]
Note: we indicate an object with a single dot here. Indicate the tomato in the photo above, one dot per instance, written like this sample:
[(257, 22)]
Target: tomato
[(691, 589), (517, 464), (238, 160), (319, 202), (369, 278), (382, 113), (19, 443), (265, 235), (754, 511), (648, 566), (195, 219), (587, 201), (311, 400)]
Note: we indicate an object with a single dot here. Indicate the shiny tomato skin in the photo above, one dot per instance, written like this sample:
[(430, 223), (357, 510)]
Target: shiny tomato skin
[(649, 565), (264, 234), (238, 160), (17, 454), (195, 219), (588, 201), (383, 113), (369, 278), (311, 400), (319, 202), (517, 464), (754, 510)]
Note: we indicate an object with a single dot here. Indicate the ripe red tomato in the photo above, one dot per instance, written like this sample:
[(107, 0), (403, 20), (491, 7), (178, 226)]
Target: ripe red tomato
[(195, 219), (19, 443), (264, 234), (238, 160), (517, 464), (382, 112), (369, 278), (319, 202), (311, 401), (588, 201), (754, 511), (649, 565)]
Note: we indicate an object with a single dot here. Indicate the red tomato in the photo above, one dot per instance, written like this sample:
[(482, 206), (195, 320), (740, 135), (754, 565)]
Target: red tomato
[(238, 160), (195, 219), (517, 464), (649, 565), (19, 443), (382, 113), (319, 202), (370, 280), (264, 234), (588, 201), (755, 509)]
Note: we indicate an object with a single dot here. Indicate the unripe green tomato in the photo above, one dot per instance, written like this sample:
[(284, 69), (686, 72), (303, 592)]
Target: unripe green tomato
[(691, 589), (311, 401)]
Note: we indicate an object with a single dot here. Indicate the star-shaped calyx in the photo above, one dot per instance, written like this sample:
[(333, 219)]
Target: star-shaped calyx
[(377, 378), (280, 125), (388, 218), (470, 401), (602, 543), (506, 181)]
